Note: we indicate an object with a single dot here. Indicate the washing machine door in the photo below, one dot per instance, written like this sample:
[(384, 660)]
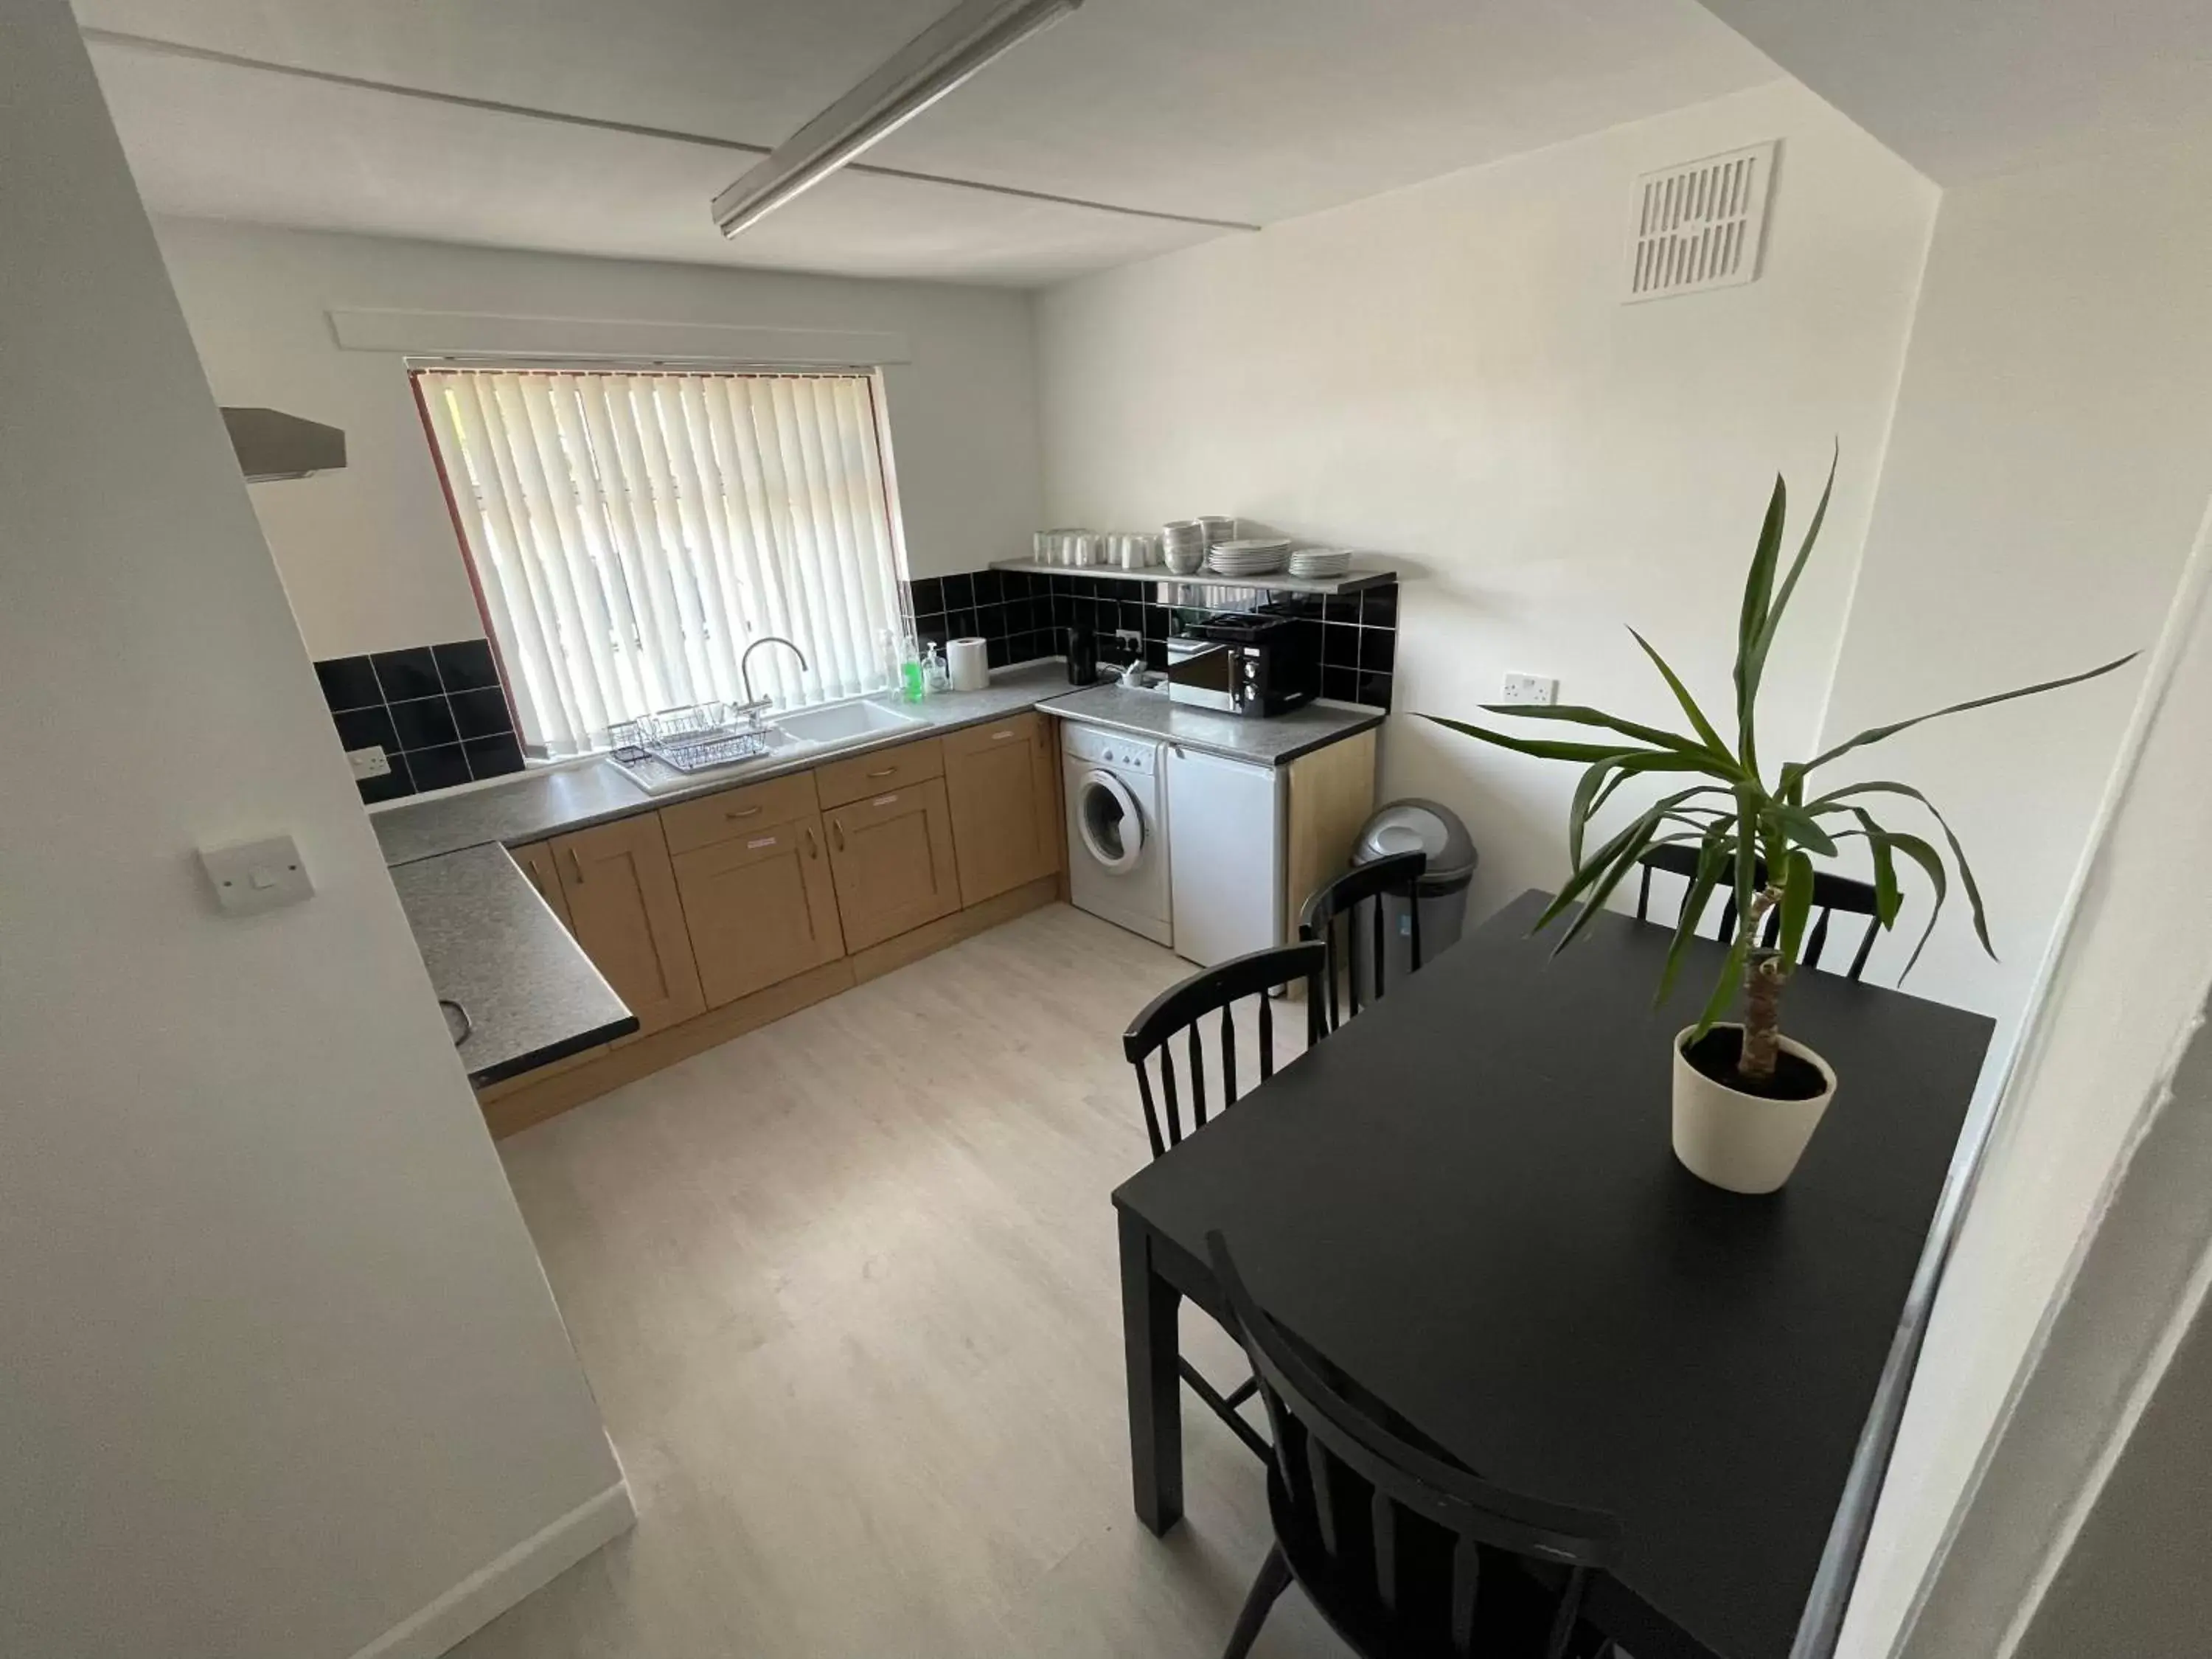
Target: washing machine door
[(1107, 818)]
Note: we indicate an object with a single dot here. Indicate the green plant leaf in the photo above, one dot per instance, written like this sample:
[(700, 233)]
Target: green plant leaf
[(1712, 860), (1931, 863), (1721, 762), (1578, 809), (1646, 762), (1595, 866), (1958, 852), (1888, 896), (1698, 723), (1724, 991), (1746, 857), (1800, 826), (1540, 748), (1579, 879), (1601, 890), (1877, 734), (1758, 592), (1763, 641), (1796, 904)]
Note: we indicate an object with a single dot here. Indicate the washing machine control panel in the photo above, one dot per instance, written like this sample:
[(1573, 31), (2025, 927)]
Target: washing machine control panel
[(1101, 748)]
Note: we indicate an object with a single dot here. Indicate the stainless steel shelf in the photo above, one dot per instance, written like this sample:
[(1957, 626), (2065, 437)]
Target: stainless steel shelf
[(1281, 582)]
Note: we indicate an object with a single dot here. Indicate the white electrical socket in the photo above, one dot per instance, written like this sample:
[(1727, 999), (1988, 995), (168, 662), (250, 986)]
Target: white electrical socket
[(369, 762), (1529, 687)]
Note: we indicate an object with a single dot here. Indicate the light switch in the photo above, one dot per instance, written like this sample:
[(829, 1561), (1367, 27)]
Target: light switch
[(257, 875)]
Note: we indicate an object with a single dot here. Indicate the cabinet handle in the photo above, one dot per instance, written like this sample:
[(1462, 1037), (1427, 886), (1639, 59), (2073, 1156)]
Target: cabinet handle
[(886, 772), (837, 832), (748, 813), (576, 863), (813, 847), (1000, 736)]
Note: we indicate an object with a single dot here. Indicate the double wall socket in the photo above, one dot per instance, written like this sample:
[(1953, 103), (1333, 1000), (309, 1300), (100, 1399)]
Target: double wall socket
[(1529, 687)]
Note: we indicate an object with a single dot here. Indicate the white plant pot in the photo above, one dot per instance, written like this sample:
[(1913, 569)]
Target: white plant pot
[(1745, 1143)]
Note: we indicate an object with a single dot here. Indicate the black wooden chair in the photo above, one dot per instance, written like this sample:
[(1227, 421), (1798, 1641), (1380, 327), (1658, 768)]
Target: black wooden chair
[(1831, 894), (1399, 876), (1407, 1556), (1182, 1008)]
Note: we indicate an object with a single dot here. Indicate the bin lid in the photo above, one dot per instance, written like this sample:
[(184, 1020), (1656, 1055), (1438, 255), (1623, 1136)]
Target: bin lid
[(1414, 825)]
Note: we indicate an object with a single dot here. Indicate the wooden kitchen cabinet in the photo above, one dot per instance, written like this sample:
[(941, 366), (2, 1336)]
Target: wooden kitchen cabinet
[(623, 910), (760, 908), (891, 855), (999, 785), (537, 862)]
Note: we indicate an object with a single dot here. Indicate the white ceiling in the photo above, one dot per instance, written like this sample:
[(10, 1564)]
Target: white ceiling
[(1249, 110), (1962, 89)]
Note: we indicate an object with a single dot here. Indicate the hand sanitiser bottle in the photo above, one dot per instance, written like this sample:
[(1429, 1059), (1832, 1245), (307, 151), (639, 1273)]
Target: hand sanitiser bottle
[(936, 678)]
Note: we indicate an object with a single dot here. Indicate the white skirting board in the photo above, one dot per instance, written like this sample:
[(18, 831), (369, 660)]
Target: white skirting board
[(491, 1590)]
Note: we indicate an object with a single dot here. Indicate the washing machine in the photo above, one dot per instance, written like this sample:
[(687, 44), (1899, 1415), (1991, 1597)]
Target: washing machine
[(1117, 844)]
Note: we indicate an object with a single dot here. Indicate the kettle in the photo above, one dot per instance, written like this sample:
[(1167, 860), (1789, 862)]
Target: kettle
[(1082, 656)]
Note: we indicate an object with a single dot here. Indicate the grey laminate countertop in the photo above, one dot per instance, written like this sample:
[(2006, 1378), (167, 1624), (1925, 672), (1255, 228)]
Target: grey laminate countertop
[(491, 945), (560, 799), (1272, 742), (556, 799)]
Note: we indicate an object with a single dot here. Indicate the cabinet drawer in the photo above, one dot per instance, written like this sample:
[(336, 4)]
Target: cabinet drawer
[(993, 734), (736, 813), (876, 773)]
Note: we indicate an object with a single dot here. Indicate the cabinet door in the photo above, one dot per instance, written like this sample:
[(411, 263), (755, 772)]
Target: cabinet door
[(623, 910), (892, 857), (1224, 855), (759, 908), (537, 862), (998, 781)]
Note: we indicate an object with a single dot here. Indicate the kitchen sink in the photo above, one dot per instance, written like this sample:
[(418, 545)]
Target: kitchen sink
[(841, 722)]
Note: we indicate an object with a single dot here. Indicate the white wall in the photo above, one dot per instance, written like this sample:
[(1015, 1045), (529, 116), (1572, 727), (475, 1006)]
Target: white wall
[(1446, 375), (2050, 460), (2050, 468), (367, 555), (282, 1366)]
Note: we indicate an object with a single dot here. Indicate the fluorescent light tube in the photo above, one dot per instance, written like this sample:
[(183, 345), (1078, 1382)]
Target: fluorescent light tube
[(912, 78)]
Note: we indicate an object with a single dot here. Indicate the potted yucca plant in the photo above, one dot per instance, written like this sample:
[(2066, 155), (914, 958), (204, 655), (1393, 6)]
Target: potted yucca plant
[(1747, 1097)]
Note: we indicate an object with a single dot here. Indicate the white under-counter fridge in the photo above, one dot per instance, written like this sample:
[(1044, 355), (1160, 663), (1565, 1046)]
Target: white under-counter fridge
[(1225, 849)]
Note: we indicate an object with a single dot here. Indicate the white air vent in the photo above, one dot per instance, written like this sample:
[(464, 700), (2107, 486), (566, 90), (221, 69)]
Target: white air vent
[(1698, 225)]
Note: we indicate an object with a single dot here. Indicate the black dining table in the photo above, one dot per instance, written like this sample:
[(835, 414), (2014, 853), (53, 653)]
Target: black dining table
[(1465, 1201)]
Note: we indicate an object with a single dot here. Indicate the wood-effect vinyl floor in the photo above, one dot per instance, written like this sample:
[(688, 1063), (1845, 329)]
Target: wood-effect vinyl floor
[(846, 1290)]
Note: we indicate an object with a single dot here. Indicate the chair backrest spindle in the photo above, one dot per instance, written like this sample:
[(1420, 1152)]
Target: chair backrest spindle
[(1387, 1597), (1182, 1009), (1832, 894), (1397, 877)]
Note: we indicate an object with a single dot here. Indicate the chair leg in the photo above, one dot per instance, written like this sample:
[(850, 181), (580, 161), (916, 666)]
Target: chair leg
[(1274, 1578)]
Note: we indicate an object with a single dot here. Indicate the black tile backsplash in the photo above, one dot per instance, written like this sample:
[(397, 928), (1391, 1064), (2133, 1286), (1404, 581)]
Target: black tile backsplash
[(437, 711), (1024, 615), (407, 674)]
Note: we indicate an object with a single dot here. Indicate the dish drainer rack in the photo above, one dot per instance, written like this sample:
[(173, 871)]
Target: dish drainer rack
[(695, 739)]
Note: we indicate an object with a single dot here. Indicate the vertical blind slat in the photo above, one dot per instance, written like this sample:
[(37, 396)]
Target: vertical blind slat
[(632, 533)]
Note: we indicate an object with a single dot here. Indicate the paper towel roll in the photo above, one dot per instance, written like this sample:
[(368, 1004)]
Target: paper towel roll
[(970, 665)]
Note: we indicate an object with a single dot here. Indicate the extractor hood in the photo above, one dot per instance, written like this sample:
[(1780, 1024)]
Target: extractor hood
[(271, 444)]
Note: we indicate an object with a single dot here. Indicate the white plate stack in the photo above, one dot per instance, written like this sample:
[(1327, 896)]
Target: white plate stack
[(1254, 555), (1322, 563)]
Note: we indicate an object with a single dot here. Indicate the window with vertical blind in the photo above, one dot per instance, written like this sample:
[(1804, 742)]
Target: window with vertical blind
[(630, 533)]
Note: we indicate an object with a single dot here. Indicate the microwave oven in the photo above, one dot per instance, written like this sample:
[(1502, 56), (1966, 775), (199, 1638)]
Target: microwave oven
[(1253, 664)]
